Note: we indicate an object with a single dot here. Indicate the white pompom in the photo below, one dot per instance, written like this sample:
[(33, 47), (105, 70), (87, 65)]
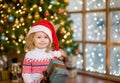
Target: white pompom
[(56, 53)]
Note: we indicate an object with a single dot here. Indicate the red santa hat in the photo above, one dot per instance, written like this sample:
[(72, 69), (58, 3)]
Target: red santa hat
[(46, 27)]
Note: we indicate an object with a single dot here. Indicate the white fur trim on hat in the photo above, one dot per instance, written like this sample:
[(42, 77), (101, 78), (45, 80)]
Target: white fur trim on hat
[(41, 28)]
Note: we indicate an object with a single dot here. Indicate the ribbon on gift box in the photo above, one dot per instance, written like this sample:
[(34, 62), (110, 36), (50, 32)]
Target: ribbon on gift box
[(53, 66), (68, 68)]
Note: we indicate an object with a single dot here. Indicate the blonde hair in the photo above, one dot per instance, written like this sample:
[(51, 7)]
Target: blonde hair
[(29, 43)]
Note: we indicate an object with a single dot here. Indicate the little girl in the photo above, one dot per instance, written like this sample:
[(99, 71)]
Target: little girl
[(38, 43)]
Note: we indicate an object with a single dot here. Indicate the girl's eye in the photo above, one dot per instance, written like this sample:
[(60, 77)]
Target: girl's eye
[(39, 37), (46, 37)]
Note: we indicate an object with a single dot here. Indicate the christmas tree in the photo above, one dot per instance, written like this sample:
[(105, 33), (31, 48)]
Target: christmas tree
[(17, 16)]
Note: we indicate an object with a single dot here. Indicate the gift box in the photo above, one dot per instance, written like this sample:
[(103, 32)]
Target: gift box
[(58, 75), (72, 72), (5, 75), (57, 72), (71, 61)]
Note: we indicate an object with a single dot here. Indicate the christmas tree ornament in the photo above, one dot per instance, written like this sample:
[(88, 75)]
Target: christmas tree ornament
[(66, 1), (65, 13), (16, 21), (72, 28), (14, 1), (11, 18), (52, 2), (24, 9), (9, 10), (21, 1), (46, 13), (62, 22), (5, 6), (21, 37), (2, 48), (21, 19), (16, 43), (60, 11), (5, 20), (13, 36), (36, 16), (34, 6), (62, 31), (2, 38), (69, 49), (29, 16), (1, 0), (18, 51), (77, 51), (41, 2)]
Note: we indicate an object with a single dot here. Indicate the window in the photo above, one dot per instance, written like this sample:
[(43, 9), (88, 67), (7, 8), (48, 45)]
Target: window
[(97, 29)]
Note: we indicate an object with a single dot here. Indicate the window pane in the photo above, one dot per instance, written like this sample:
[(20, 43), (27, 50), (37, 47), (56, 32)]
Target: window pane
[(95, 4), (95, 24), (75, 5), (80, 58), (77, 24), (115, 26), (115, 61), (95, 58), (114, 3)]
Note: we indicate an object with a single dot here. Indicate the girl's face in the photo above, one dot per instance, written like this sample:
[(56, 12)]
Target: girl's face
[(41, 40)]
